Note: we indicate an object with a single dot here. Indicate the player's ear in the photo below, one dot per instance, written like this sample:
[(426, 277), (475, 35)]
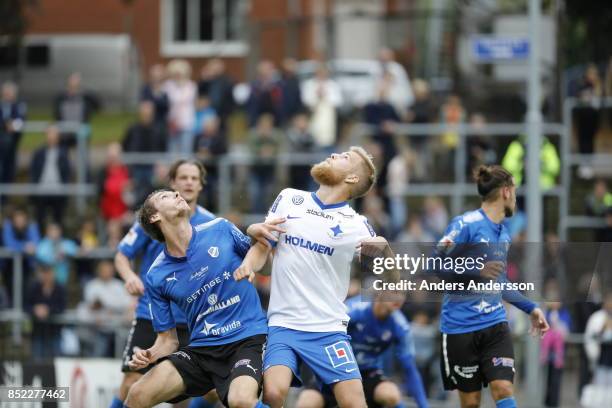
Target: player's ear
[(351, 179), (154, 218)]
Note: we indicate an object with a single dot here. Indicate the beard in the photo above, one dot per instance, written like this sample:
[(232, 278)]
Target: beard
[(325, 175), (508, 211)]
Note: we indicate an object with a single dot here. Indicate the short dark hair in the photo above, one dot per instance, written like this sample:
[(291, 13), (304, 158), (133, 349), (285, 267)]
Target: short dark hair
[(144, 217), (490, 179), (175, 166)]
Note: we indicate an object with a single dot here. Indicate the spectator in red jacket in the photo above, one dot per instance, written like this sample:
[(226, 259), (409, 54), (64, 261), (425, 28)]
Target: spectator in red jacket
[(115, 186)]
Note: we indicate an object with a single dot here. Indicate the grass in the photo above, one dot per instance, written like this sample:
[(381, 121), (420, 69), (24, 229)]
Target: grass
[(106, 127)]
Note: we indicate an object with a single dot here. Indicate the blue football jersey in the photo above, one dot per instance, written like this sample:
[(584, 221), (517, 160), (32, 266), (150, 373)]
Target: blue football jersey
[(371, 337), (219, 310), (136, 242), (474, 235)]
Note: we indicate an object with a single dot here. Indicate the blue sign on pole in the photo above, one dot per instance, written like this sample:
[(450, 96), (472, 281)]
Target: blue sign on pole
[(495, 49)]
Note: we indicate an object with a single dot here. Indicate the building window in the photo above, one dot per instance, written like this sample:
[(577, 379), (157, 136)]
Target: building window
[(203, 27)]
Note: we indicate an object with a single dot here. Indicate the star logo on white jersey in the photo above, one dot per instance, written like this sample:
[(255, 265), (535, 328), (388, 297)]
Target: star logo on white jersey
[(481, 306), (336, 231), (207, 327), (172, 278), (213, 251)]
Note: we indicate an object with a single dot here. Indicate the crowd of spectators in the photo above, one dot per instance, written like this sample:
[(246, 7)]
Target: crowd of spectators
[(182, 113)]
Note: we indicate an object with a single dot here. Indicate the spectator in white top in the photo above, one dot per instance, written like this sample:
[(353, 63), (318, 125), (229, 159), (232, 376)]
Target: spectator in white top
[(106, 303), (400, 95), (323, 96), (181, 91)]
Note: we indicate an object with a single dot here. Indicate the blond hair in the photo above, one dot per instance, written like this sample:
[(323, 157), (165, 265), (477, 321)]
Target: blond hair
[(367, 176)]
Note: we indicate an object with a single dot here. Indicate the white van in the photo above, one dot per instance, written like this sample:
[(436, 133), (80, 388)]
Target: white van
[(108, 65)]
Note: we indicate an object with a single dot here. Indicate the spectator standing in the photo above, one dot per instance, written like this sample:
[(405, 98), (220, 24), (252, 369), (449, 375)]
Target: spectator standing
[(74, 105), (301, 140), (479, 145), (219, 87), (452, 115), (435, 217), (598, 343), (586, 115), (55, 251), (145, 136), (599, 200), (414, 231), (153, 92), (421, 112), (323, 96), (401, 97), (114, 186), (266, 95), (292, 95), (46, 299), (21, 235), (13, 116), (550, 164), (398, 173), (181, 92), (50, 169), (264, 144), (552, 351), (105, 300)]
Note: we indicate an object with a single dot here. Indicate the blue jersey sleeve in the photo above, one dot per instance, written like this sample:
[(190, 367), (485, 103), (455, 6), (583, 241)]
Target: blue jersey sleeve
[(517, 299), (242, 243), (133, 242), (449, 246), (404, 349), (159, 306)]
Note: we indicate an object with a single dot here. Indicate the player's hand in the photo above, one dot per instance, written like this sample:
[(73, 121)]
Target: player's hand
[(140, 359), (243, 272), (539, 325), (492, 270), (265, 232), (134, 286)]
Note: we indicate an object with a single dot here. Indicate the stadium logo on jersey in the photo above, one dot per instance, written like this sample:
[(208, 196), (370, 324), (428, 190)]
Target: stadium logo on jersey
[(218, 306), (319, 214), (340, 354), (199, 274), (503, 361), (485, 307), (172, 278), (335, 231), (213, 251), (312, 246), (297, 199), (465, 372)]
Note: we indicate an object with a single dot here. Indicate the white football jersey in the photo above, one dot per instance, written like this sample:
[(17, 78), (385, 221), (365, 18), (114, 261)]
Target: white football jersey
[(311, 265)]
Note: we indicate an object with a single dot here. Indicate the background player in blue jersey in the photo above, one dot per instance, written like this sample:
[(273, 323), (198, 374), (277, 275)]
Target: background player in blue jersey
[(227, 325), (374, 326), (188, 178), (476, 341)]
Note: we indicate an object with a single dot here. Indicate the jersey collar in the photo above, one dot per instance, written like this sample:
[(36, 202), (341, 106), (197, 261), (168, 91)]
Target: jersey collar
[(497, 227), (182, 258), (324, 206)]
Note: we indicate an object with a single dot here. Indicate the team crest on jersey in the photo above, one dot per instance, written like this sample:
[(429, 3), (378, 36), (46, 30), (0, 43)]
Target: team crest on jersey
[(212, 299), (335, 232), (213, 251), (297, 199)]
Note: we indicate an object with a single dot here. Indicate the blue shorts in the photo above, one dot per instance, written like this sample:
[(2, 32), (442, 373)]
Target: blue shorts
[(328, 354)]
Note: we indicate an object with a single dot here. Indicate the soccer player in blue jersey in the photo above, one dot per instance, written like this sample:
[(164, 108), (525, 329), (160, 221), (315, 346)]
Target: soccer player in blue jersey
[(225, 319), (374, 326), (476, 341), (188, 178)]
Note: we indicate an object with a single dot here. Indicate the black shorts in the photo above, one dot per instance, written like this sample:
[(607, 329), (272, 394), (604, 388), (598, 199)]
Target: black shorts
[(205, 368), (472, 360), (143, 336), (371, 379)]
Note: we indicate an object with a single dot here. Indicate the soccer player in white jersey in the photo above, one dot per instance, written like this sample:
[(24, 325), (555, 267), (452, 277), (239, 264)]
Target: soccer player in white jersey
[(310, 277)]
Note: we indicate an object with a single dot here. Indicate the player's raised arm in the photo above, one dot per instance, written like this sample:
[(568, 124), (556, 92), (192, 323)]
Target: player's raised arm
[(267, 233), (253, 262), (165, 344)]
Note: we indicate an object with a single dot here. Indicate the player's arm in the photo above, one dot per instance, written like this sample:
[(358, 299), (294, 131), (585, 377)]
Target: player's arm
[(253, 262), (404, 349), (267, 232), (165, 343), (133, 283), (539, 325)]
